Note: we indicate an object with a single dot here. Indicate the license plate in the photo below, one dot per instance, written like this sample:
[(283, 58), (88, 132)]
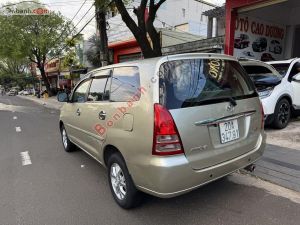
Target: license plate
[(229, 131)]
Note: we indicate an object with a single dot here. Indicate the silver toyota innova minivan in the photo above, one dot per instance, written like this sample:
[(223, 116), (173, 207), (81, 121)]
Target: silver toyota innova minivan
[(166, 125)]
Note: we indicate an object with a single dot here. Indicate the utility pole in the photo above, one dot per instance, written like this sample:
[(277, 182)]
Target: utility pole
[(101, 27)]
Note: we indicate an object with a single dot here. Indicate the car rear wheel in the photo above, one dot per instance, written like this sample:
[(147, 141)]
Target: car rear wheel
[(67, 144), (282, 114), (121, 184)]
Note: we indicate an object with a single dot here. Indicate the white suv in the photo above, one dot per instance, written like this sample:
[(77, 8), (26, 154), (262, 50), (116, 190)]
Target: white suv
[(278, 85)]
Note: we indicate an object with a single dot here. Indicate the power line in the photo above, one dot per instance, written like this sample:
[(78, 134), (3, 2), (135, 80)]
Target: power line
[(66, 3), (78, 11), (82, 18), (73, 37)]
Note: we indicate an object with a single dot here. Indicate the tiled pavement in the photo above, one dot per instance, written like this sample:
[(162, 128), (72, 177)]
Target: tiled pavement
[(281, 166)]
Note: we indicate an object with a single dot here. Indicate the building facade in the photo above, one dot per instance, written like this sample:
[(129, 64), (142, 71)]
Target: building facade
[(178, 22), (263, 29)]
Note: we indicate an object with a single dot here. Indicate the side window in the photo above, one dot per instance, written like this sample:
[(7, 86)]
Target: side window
[(79, 94), (99, 90), (125, 84), (295, 70)]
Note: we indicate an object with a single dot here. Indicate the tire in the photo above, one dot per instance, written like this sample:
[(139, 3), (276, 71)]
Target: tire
[(282, 114), (121, 184), (67, 144)]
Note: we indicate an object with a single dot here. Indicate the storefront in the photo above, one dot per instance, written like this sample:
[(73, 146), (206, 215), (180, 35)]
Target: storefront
[(171, 42), (125, 51), (263, 29), (52, 73)]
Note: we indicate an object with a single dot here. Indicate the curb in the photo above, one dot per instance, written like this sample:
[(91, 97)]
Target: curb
[(42, 102)]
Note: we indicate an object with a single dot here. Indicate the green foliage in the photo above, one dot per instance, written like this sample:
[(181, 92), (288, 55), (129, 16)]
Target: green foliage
[(71, 42), (32, 36), (70, 59), (21, 80)]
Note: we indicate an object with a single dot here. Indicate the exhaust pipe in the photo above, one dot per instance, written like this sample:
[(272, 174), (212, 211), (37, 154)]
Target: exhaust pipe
[(250, 168)]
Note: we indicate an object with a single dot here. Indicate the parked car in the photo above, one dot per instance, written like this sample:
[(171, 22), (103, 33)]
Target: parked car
[(166, 125), (290, 69), (265, 57), (280, 95), (242, 41), (12, 93), (23, 92), (260, 44), (275, 47)]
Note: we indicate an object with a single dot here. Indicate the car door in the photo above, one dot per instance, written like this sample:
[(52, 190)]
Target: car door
[(73, 113), (294, 79), (94, 113)]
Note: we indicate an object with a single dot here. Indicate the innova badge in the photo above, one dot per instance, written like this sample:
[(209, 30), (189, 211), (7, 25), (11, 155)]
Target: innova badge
[(230, 108)]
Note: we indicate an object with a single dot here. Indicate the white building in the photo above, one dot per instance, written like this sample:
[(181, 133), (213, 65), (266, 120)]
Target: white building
[(178, 15)]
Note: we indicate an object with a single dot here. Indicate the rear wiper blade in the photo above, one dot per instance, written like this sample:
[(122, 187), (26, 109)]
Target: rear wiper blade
[(229, 99), (232, 101)]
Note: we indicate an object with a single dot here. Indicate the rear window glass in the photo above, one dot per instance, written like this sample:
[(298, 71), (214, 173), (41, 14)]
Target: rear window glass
[(282, 68), (192, 82)]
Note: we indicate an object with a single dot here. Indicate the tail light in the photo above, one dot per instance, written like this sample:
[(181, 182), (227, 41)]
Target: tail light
[(262, 116), (166, 139)]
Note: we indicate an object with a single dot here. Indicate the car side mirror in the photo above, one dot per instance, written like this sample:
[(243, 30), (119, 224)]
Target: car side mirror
[(63, 97), (296, 78)]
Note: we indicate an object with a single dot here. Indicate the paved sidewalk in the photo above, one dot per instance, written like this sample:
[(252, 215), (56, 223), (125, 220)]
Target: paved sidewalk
[(51, 102), (280, 165), (288, 137)]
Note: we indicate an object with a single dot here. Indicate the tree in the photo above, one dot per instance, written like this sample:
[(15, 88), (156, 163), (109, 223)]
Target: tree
[(93, 53), (36, 37), (141, 30), (144, 26), (101, 7)]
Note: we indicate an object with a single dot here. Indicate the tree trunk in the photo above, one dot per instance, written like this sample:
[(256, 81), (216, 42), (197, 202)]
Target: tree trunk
[(143, 28), (45, 79), (101, 25), (155, 38)]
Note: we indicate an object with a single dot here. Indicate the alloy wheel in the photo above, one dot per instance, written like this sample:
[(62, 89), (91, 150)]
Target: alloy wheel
[(283, 114), (118, 181), (65, 138)]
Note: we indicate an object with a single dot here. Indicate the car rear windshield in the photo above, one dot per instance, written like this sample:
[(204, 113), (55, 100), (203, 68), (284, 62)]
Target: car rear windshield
[(193, 82), (282, 68)]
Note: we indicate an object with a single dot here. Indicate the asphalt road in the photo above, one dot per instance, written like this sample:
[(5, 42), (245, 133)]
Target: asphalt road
[(62, 188)]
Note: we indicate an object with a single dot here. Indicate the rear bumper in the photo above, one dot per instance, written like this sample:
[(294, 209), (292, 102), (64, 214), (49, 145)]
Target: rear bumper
[(173, 176)]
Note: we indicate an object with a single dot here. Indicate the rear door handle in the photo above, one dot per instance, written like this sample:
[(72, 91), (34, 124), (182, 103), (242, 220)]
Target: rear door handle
[(102, 115), (78, 112)]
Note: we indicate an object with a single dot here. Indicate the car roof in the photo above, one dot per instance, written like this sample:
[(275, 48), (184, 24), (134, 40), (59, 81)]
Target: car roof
[(282, 61), (156, 60)]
